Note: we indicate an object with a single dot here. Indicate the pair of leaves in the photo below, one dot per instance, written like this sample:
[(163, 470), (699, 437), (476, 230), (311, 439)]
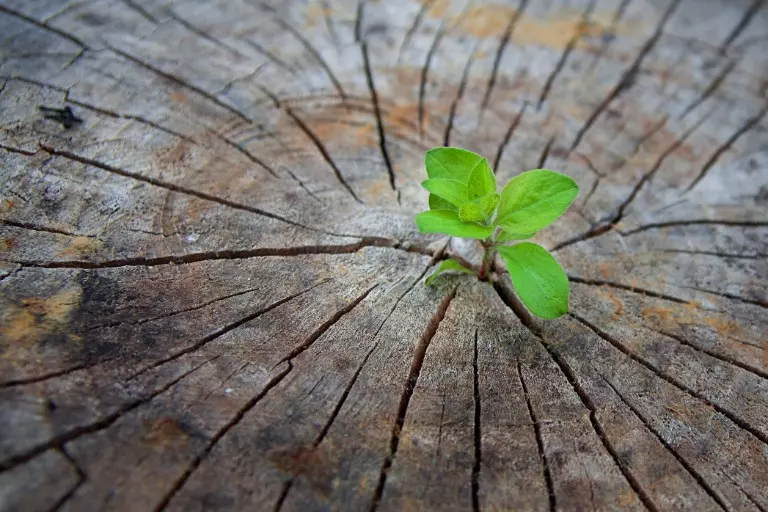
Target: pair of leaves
[(463, 198), (538, 279)]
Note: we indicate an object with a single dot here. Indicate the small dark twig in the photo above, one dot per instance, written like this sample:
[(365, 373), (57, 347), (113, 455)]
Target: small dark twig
[(65, 116)]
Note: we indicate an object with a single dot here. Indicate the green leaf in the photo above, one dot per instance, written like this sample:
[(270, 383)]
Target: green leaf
[(449, 223), (506, 236), (481, 180), (445, 266), (535, 199), (488, 204), (453, 191), (538, 279), (471, 212), (438, 203), (451, 163), (479, 210)]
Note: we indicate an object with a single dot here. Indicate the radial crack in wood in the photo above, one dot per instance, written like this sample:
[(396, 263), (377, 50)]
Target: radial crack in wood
[(212, 285)]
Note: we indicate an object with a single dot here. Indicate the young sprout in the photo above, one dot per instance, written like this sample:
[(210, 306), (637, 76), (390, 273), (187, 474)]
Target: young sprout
[(463, 202)]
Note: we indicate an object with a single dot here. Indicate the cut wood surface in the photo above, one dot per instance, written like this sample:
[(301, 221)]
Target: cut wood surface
[(211, 283)]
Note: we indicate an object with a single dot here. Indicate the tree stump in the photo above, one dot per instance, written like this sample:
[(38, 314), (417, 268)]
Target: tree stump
[(212, 286)]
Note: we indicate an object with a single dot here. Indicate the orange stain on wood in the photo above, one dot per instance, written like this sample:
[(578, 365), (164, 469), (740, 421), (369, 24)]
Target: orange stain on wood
[(438, 8), (164, 431), (664, 316), (38, 317), (488, 20), (619, 305), (723, 326), (314, 13), (79, 246), (178, 97)]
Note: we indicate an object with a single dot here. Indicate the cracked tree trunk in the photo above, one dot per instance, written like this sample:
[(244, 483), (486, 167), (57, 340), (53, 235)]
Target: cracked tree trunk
[(211, 285)]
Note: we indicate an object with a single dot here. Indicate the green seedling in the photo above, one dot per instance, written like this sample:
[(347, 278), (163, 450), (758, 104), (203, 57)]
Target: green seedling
[(463, 202)]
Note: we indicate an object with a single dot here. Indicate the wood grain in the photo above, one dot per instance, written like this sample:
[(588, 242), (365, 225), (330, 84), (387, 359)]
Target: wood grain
[(211, 285)]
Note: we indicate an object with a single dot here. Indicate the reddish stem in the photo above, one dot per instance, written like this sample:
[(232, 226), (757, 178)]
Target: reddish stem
[(487, 259)]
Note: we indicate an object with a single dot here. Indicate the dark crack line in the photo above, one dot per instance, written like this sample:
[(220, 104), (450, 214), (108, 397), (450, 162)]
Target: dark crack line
[(508, 136), (342, 400), (716, 254), (545, 152), (643, 139), (377, 113), (731, 296), (81, 478), (202, 34), (539, 442), (131, 117), (742, 24), (270, 56), (688, 467), (671, 380), (425, 6), (182, 83), (569, 47), (172, 187), (140, 11), (648, 176), (288, 359), (330, 26), (508, 31), (302, 184), (508, 297), (425, 75), (323, 151), (218, 436), (224, 330), (174, 313), (605, 225), (711, 88), (18, 151), (726, 146), (23, 381), (747, 495), (628, 77), (104, 111), (585, 399), (305, 43), (410, 385), (618, 14), (96, 426), (43, 229), (359, 14), (757, 372), (459, 95), (478, 434), (697, 222), (250, 156), (44, 26), (589, 163), (633, 289), (325, 326)]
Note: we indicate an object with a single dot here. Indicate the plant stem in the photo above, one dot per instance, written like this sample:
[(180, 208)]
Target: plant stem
[(487, 259)]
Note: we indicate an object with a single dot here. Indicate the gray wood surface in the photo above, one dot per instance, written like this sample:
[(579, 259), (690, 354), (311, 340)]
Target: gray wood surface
[(211, 285)]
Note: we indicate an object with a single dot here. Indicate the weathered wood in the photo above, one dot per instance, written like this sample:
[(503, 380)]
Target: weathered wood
[(211, 286)]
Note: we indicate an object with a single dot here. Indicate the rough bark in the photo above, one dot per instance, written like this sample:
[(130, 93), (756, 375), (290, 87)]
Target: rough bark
[(211, 286)]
